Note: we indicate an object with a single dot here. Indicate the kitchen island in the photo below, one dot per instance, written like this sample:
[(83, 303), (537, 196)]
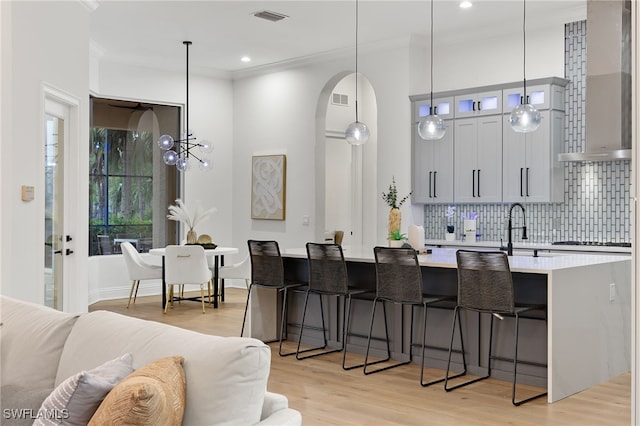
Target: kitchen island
[(587, 340)]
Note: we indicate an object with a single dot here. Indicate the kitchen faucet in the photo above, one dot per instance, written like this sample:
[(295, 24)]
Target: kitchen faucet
[(511, 228)]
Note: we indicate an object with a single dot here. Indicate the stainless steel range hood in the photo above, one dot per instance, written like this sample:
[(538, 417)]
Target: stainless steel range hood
[(608, 84)]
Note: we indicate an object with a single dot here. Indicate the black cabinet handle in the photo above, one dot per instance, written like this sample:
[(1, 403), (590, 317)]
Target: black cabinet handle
[(478, 183), (527, 181), (434, 185), (435, 110), (521, 191), (521, 100), (473, 184), (527, 98), (479, 106), (430, 184)]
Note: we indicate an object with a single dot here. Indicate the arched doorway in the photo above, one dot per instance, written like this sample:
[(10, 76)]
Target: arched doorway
[(345, 174)]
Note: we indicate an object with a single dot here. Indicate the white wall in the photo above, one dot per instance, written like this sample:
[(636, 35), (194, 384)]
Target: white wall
[(44, 43)]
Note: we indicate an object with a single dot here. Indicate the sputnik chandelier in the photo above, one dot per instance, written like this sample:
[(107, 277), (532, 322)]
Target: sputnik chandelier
[(180, 153)]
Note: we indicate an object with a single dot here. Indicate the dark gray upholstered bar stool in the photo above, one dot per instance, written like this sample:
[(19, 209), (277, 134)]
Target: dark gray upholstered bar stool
[(328, 277), (267, 271), (485, 285), (399, 280)]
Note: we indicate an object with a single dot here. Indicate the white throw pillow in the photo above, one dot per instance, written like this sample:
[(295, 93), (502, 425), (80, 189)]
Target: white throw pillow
[(76, 399)]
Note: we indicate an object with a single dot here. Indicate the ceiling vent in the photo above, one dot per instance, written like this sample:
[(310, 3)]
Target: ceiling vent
[(270, 16)]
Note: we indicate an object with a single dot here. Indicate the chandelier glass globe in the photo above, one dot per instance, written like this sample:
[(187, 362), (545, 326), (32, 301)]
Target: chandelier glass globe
[(170, 157), (525, 118), (431, 128), (357, 133), (165, 142), (183, 164)]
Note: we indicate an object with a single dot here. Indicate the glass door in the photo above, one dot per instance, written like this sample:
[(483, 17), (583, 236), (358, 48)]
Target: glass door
[(56, 118)]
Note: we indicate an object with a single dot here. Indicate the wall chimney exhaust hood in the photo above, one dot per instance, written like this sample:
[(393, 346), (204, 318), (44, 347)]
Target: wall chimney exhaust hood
[(608, 84)]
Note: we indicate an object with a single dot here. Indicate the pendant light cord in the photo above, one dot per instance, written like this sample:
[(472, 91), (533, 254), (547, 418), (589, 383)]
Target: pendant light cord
[(524, 50), (356, 61), (431, 109), (187, 43)]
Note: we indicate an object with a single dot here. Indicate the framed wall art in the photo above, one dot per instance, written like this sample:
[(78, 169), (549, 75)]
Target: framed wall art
[(268, 187)]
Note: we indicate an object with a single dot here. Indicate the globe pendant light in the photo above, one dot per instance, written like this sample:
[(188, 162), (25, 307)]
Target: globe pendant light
[(357, 133), (525, 117), (182, 156), (431, 127)]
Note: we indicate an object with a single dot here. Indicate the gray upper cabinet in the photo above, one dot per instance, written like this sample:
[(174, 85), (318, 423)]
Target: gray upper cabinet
[(433, 160), (531, 170), (478, 159), (481, 159), (474, 104)]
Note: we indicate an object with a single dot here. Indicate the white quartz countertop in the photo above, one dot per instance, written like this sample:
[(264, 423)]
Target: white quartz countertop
[(529, 246), (522, 261)]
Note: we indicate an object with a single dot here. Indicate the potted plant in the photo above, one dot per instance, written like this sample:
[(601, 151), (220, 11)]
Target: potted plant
[(396, 238), (450, 235), (391, 198)]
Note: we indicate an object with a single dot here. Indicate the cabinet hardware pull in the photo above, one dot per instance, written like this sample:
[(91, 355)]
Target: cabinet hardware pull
[(430, 184), (479, 106), (434, 185), (473, 184), (527, 181), (527, 98), (478, 183), (474, 105), (521, 192), (435, 110), (521, 100)]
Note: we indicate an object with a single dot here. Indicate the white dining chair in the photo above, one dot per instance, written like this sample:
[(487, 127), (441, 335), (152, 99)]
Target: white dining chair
[(138, 269), (186, 265)]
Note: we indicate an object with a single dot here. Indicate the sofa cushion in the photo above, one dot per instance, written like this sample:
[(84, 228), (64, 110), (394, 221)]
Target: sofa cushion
[(20, 405), (152, 395), (31, 342), (226, 376), (75, 400)]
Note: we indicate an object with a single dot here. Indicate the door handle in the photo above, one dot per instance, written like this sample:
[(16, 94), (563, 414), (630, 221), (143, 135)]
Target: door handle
[(68, 252), (57, 252)]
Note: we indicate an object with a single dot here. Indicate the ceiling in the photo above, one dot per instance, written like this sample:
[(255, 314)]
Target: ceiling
[(151, 32)]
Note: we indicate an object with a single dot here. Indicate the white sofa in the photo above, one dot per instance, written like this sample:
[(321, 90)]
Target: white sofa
[(226, 376)]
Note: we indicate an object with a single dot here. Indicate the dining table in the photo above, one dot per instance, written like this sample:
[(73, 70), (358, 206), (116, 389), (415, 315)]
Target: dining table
[(216, 254)]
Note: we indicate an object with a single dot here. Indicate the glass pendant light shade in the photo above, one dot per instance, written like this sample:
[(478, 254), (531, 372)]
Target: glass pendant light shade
[(431, 128), (170, 157), (183, 164), (165, 142), (205, 164), (206, 147), (525, 118), (357, 133)]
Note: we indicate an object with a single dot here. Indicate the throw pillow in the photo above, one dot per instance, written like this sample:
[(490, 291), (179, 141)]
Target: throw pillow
[(75, 400), (152, 395)]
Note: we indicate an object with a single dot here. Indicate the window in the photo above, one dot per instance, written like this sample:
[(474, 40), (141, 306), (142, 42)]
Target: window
[(130, 187)]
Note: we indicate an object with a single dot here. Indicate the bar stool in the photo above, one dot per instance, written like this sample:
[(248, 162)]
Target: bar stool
[(485, 285), (399, 280), (267, 271), (328, 277)]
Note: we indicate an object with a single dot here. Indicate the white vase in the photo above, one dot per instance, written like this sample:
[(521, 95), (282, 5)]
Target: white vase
[(396, 243)]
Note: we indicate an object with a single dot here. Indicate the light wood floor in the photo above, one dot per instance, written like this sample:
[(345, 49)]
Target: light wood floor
[(327, 395)]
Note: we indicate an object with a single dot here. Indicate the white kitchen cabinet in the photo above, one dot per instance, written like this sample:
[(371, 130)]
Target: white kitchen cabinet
[(478, 159), (541, 96), (433, 160), (531, 170), (475, 104)]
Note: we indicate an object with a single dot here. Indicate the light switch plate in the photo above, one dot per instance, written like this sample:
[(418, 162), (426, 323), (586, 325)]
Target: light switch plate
[(27, 192)]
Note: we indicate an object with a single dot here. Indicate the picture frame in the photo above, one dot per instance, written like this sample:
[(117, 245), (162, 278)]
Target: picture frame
[(268, 187)]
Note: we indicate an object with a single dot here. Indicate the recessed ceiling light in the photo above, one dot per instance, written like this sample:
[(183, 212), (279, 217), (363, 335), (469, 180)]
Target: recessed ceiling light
[(245, 59), (465, 4)]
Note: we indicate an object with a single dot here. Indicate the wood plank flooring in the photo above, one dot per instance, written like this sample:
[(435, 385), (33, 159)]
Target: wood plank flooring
[(327, 395)]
